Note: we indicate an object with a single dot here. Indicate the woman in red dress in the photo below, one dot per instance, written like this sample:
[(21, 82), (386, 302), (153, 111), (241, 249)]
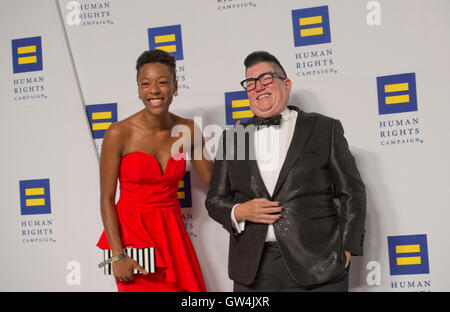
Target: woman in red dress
[(139, 152)]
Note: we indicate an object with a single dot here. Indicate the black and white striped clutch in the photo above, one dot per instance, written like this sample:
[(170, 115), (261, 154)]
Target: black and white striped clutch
[(145, 257)]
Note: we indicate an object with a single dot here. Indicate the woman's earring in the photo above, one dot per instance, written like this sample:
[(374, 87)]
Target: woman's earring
[(175, 93)]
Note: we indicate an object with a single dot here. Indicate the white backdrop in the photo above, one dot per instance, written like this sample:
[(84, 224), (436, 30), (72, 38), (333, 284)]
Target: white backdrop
[(83, 54)]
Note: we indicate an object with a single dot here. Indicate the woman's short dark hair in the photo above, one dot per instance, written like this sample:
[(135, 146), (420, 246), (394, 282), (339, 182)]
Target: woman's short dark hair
[(262, 56), (157, 56)]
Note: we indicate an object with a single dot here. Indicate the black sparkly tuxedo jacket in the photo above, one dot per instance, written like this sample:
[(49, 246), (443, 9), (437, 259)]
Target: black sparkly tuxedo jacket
[(314, 230)]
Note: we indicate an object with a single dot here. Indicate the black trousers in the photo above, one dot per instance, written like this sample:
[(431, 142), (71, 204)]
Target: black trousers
[(273, 276)]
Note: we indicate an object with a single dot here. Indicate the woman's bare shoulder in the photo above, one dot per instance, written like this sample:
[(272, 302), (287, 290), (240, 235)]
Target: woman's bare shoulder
[(178, 120), (122, 129)]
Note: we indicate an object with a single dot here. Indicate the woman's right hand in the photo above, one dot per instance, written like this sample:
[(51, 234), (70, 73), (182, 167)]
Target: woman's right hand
[(123, 269)]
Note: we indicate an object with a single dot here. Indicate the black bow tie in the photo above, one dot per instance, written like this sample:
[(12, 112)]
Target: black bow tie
[(258, 121)]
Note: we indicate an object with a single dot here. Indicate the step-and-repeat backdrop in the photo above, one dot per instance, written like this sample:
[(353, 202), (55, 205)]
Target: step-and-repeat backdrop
[(68, 72)]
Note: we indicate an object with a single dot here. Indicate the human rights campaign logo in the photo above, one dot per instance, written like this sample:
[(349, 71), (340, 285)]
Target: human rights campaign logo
[(101, 116), (167, 38), (184, 191), (26, 54), (237, 107), (34, 197), (397, 93), (311, 26), (408, 254)]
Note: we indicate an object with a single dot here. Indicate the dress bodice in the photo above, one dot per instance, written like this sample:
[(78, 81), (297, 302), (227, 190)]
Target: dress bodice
[(143, 183)]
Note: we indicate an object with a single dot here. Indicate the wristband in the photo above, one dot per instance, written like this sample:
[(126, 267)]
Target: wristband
[(112, 260)]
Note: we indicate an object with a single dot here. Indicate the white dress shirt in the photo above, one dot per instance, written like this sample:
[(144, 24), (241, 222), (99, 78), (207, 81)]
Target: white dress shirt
[(271, 145)]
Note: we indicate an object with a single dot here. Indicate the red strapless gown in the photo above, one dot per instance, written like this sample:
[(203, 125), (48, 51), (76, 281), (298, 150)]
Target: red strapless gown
[(150, 216)]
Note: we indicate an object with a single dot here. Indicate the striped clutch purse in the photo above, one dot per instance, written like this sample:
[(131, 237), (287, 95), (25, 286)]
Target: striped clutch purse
[(145, 257)]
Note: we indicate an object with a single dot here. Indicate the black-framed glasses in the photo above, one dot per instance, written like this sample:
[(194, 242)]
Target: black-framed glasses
[(265, 78)]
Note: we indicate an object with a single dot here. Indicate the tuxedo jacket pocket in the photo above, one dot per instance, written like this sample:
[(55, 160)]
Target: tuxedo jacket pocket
[(327, 216)]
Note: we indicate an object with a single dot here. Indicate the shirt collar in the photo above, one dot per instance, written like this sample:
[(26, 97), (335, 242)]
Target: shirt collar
[(285, 114)]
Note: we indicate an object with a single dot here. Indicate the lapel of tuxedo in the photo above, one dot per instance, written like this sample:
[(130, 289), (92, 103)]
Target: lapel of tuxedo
[(303, 127)]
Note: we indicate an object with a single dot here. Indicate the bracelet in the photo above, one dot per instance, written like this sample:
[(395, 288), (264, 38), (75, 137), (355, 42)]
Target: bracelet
[(112, 260)]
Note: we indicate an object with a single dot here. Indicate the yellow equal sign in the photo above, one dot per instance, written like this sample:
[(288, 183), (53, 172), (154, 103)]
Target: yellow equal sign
[(101, 125), (35, 201), (408, 249), (27, 59), (241, 114), (182, 194), (304, 21), (164, 39), (396, 87)]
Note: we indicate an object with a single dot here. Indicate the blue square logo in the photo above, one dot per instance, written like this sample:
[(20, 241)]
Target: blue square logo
[(237, 107), (408, 254), (311, 26), (397, 93), (100, 117), (26, 54), (184, 191), (34, 197), (167, 38)]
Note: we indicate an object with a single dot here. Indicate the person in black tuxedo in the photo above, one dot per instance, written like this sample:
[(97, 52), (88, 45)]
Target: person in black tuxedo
[(289, 193)]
